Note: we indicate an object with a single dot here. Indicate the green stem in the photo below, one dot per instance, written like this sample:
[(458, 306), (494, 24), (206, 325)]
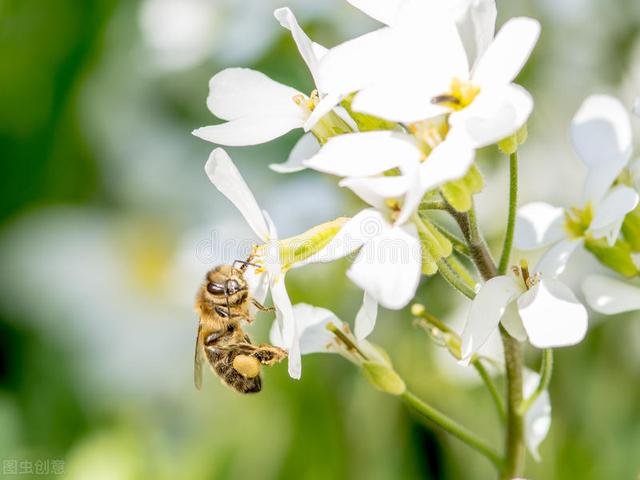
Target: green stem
[(454, 428), (545, 377), (488, 381), (514, 445), (511, 220), (432, 205), (454, 279), (477, 246)]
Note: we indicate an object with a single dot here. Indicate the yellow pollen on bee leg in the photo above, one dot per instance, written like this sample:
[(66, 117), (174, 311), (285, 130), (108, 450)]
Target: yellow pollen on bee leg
[(247, 366)]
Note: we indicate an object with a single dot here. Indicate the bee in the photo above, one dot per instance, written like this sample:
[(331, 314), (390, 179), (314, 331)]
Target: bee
[(223, 303)]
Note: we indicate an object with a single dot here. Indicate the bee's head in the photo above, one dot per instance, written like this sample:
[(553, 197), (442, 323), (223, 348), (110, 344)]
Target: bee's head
[(225, 285)]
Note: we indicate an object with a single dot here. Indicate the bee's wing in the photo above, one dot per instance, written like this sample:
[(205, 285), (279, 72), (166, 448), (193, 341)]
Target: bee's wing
[(197, 362)]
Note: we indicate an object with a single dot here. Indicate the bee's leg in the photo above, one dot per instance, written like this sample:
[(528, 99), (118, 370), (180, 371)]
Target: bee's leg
[(261, 307), (268, 354)]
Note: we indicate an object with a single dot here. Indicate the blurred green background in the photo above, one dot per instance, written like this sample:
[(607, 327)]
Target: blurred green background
[(108, 223)]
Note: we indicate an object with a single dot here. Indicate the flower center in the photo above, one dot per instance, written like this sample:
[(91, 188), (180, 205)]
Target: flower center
[(460, 95), (307, 104), (522, 273), (577, 221), (429, 133)]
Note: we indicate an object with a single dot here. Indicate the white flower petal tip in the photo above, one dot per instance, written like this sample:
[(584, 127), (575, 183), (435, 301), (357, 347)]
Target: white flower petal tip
[(486, 311), (508, 52), (304, 149), (601, 131), (227, 179), (538, 225), (610, 296), (552, 316), (538, 418), (311, 53), (366, 317)]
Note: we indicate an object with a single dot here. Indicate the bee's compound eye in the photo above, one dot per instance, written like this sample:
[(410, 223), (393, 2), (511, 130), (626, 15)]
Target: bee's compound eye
[(215, 288), (232, 287)]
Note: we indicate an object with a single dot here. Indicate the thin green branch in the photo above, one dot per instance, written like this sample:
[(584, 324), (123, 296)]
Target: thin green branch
[(454, 428), (458, 244), (511, 220), (493, 390), (454, 279), (432, 205), (462, 271), (546, 369)]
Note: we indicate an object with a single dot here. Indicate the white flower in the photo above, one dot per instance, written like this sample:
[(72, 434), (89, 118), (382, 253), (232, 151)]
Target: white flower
[(364, 157), (534, 307), (601, 133), (258, 109), (418, 69), (610, 296), (271, 276)]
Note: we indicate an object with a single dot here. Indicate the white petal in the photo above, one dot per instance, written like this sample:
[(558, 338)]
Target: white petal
[(552, 315), (385, 11), (258, 284), (312, 322), (362, 227), (389, 265), (227, 179), (375, 190), (537, 420), (610, 296), (601, 134), (356, 63), (486, 312), (555, 260), (450, 160), (476, 21), (366, 317), (241, 92), (364, 154), (304, 149), (495, 114), (610, 213), (252, 130), (401, 101), (305, 46), (538, 225), (508, 52), (287, 323), (512, 323)]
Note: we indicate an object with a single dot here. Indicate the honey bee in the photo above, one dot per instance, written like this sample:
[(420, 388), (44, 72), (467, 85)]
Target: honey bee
[(223, 303)]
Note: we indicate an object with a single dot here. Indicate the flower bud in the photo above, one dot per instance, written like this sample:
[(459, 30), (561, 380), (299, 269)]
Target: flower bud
[(631, 229), (299, 248), (617, 257), (383, 378), (459, 193), (510, 145)]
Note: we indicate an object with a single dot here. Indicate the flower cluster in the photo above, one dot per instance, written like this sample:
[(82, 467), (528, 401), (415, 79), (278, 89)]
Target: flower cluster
[(397, 115)]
